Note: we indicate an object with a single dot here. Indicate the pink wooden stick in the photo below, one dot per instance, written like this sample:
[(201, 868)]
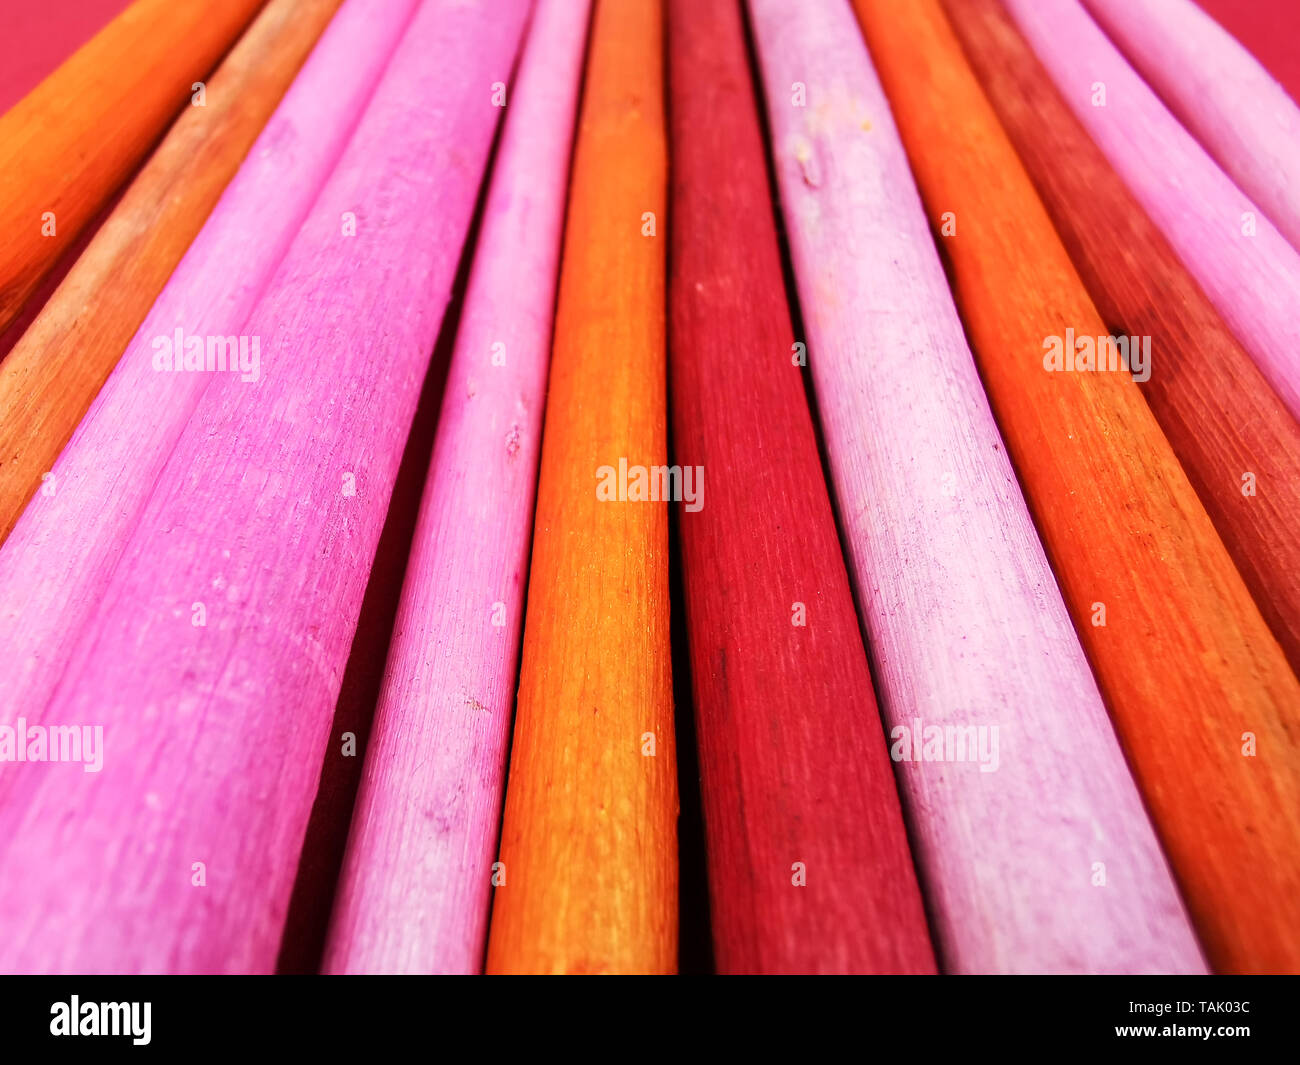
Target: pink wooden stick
[(1220, 92), (415, 886), (58, 559), (179, 856), (1245, 266), (966, 624)]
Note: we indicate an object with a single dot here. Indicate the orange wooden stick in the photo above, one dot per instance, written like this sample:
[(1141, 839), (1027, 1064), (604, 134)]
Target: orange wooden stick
[(589, 850), (1200, 690), (1235, 438), (69, 143), (34, 39), (56, 369)]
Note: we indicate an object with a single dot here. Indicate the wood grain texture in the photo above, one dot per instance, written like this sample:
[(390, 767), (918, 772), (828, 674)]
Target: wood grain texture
[(1253, 280), (31, 310), (69, 143), (58, 560), (214, 734), (36, 38), (964, 620), (795, 767), (1185, 660), (416, 881), (1218, 412), (56, 369), (589, 842), (1220, 93)]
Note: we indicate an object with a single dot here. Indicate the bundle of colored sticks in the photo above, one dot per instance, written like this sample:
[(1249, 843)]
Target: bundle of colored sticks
[(638, 486)]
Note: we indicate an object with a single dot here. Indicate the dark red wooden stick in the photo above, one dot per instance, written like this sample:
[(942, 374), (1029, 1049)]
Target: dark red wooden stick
[(809, 868)]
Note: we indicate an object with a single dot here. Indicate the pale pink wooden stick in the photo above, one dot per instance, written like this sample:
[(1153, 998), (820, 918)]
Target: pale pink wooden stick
[(416, 882), (179, 856), (966, 625), (60, 555), (1220, 92), (1247, 268)]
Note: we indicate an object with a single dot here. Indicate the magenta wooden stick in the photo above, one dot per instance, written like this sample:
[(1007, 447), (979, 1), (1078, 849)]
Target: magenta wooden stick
[(1220, 92), (1247, 268), (57, 561), (1015, 829), (213, 660), (416, 881)]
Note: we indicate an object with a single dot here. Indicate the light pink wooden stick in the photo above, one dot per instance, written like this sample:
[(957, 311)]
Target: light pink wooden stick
[(966, 625), (1247, 268), (1220, 92), (416, 882), (58, 559), (179, 856)]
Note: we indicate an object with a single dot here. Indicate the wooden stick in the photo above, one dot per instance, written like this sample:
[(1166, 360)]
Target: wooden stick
[(1245, 266), (795, 769), (57, 562), (1270, 30), (49, 285), (416, 881), (1219, 91), (588, 880), (34, 40), (1187, 664), (68, 144), (1238, 444), (179, 856), (56, 369), (964, 620)]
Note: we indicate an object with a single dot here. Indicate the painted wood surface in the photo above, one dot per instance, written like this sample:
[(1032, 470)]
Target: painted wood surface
[(809, 865), (54, 372), (49, 284), (416, 882), (1270, 29), (36, 38), (1236, 441), (588, 882), (1220, 93), (57, 562), (267, 514), (1180, 650), (951, 579), (68, 144), (1246, 267)]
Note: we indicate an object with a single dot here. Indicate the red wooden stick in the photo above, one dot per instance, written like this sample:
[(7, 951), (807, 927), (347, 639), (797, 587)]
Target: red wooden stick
[(809, 868)]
